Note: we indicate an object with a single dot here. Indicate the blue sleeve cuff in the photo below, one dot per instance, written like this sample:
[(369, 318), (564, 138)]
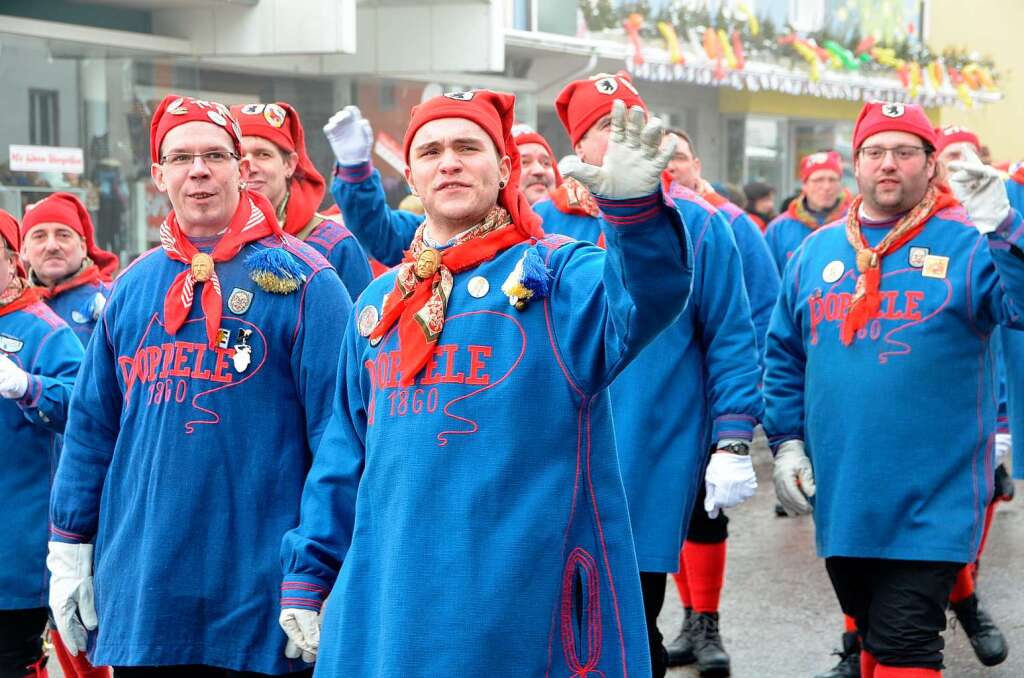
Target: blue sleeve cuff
[(303, 591), (739, 426), (775, 441), (354, 174), (32, 394), (66, 536), (630, 212)]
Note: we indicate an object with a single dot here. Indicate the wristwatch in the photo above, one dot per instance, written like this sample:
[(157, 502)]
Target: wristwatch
[(741, 449)]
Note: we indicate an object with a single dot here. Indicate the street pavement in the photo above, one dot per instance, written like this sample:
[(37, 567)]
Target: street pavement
[(779, 616)]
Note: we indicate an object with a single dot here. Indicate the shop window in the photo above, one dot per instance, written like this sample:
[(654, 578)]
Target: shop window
[(44, 117)]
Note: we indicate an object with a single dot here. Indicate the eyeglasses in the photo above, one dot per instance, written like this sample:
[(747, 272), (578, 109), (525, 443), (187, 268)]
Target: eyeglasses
[(211, 158), (900, 153)]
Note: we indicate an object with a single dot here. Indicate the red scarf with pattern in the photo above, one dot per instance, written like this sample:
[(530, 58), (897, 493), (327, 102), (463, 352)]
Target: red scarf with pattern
[(90, 273), (423, 285), (572, 197), (867, 297), (17, 295), (254, 219)]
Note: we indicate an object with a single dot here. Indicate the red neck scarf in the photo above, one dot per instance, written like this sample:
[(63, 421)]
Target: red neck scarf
[(17, 295), (798, 210), (1018, 173), (572, 197), (424, 283), (867, 297), (90, 273), (254, 219)]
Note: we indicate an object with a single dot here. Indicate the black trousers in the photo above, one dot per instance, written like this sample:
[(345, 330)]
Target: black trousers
[(21, 640), (899, 606), (196, 671), (704, 530), (652, 586)]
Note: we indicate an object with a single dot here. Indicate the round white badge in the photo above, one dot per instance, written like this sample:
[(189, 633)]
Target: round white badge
[(368, 318), (609, 85), (478, 286), (217, 118), (252, 109), (833, 272)]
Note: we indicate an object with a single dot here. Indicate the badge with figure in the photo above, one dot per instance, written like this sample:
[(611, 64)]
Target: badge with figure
[(833, 271), (243, 351), (935, 266), (368, 318), (917, 256), (239, 301), (9, 344)]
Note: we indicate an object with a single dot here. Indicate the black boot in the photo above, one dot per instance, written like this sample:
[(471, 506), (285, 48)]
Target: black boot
[(680, 650), (1004, 484), (712, 659), (987, 640), (849, 659)]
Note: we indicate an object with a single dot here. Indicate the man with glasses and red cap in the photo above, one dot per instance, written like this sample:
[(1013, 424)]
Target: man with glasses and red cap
[(39, 357), (194, 424), (692, 392), (879, 389), (822, 200), (274, 143), (72, 272), (359, 193), (465, 509)]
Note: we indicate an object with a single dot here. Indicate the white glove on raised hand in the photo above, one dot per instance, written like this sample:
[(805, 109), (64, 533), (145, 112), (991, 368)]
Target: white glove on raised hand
[(637, 155), (303, 630), (71, 595), (729, 479), (981, 190), (1003, 446), (13, 379), (794, 479), (350, 136)]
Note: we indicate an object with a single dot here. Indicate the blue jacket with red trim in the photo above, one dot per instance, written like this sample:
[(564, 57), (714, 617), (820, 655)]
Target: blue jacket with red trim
[(384, 232), (492, 480), (696, 383), (39, 342), (899, 424), (1012, 363), (185, 463), (344, 253)]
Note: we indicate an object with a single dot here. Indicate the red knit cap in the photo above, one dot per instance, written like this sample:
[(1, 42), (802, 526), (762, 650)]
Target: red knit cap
[(953, 134), (176, 110), (825, 160), (67, 210), (524, 134), (884, 116), (279, 123), (11, 235), (584, 102), (494, 112)]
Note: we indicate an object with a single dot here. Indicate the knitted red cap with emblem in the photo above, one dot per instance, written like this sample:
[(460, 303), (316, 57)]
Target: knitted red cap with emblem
[(176, 110), (885, 116), (494, 112), (279, 123), (825, 160), (66, 209), (583, 102), (952, 134)]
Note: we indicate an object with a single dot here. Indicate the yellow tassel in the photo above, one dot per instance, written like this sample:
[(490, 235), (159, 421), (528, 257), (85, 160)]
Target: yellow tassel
[(274, 284)]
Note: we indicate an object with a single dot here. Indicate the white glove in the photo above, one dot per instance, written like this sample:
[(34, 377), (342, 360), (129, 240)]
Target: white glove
[(1003, 446), (13, 379), (636, 157), (729, 480), (794, 479), (70, 592), (303, 630), (981, 190), (351, 136)]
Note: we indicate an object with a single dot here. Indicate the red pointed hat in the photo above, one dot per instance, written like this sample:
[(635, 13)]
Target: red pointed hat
[(952, 134), (11, 234), (823, 160), (176, 110), (583, 102), (279, 123), (494, 112), (524, 134), (67, 209), (891, 116)]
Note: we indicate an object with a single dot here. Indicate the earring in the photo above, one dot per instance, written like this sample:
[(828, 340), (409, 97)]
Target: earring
[(501, 184), (242, 185)]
